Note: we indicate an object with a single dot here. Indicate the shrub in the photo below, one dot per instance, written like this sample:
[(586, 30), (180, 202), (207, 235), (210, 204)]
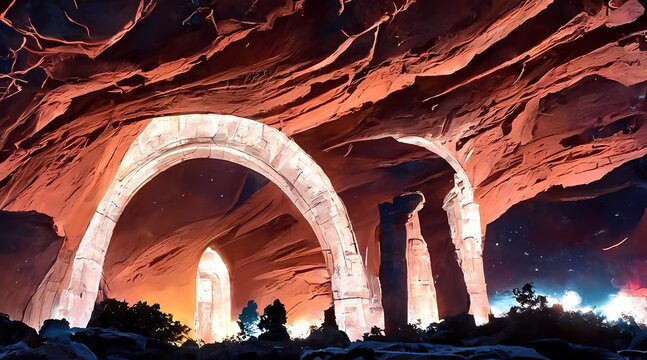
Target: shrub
[(533, 320), (409, 333), (325, 336), (586, 328), (140, 318), (15, 331)]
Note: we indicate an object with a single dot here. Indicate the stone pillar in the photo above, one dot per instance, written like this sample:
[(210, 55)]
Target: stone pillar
[(465, 225), (422, 305), (213, 299), (351, 302), (374, 311), (393, 263), (409, 293), (207, 297)]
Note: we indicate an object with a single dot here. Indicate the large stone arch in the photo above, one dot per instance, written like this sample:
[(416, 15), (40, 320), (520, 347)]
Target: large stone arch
[(167, 141), (465, 226)]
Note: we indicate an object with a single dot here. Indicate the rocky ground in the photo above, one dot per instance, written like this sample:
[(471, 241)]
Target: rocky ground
[(57, 341)]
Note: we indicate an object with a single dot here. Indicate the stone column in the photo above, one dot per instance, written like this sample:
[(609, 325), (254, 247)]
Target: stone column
[(422, 304), (374, 311), (206, 298), (351, 301), (213, 299), (408, 287), (465, 225)]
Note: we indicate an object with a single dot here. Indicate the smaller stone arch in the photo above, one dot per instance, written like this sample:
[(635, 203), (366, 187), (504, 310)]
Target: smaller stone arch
[(213, 299), (464, 220)]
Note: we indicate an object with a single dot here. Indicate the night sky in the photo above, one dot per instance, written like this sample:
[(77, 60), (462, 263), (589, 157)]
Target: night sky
[(556, 240)]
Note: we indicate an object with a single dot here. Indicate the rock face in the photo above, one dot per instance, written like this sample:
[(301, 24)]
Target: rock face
[(28, 247), (515, 97)]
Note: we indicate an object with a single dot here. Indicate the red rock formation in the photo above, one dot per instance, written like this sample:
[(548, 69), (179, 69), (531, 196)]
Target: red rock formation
[(525, 95)]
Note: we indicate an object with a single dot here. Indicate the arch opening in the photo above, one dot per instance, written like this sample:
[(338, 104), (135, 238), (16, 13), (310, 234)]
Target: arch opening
[(171, 140), (269, 248)]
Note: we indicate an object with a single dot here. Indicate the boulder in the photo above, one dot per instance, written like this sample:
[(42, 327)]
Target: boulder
[(48, 351), (56, 330), (327, 336), (12, 332), (633, 354), (108, 342)]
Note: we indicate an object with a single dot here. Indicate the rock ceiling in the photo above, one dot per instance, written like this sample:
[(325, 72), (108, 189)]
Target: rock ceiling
[(527, 95)]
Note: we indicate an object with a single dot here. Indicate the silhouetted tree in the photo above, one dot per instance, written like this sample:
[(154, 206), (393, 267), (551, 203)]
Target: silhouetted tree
[(273, 322), (376, 333), (248, 319), (140, 318), (528, 299), (326, 335)]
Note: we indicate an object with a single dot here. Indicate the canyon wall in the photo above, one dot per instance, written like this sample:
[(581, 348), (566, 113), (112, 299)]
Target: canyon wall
[(525, 96)]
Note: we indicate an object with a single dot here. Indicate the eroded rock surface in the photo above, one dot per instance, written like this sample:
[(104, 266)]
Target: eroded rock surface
[(526, 95)]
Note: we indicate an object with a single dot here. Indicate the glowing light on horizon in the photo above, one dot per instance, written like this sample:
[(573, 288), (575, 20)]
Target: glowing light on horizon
[(624, 304), (571, 301), (299, 329), (619, 305)]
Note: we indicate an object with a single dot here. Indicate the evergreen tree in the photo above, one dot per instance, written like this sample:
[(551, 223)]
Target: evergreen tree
[(248, 320), (273, 322), (528, 299)]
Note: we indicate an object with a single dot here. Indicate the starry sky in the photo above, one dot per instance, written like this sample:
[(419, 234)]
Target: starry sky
[(557, 240)]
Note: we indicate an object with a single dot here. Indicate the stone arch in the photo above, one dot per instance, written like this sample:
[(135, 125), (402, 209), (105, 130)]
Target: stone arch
[(465, 226), (213, 298), (167, 141)]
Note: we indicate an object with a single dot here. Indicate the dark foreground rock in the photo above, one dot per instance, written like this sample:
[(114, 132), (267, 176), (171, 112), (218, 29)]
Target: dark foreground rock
[(57, 341), (559, 349), (106, 344), (397, 351)]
